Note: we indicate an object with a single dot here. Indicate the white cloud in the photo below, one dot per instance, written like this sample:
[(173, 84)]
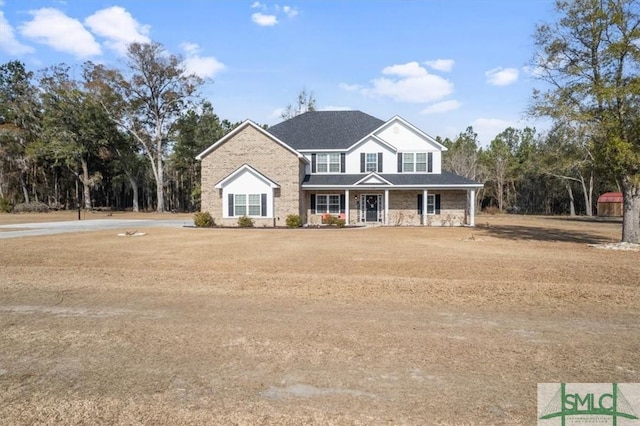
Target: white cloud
[(118, 27), (502, 77), (441, 64), (264, 20), (441, 107), (202, 66), (190, 48), (55, 29), (270, 16), (410, 69), (289, 11), (409, 83), (488, 128), (8, 41), (350, 87)]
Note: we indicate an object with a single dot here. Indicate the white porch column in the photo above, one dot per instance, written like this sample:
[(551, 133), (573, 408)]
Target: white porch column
[(424, 207), (472, 207), (346, 206), (307, 207), (386, 206)]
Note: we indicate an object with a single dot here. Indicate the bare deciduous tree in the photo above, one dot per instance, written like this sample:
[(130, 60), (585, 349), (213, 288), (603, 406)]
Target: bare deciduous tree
[(306, 102), (146, 100)]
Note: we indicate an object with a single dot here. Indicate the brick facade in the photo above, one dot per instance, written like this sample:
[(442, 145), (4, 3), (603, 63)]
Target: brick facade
[(250, 146)]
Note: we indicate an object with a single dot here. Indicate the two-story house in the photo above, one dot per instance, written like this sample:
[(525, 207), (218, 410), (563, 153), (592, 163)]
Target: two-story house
[(343, 163)]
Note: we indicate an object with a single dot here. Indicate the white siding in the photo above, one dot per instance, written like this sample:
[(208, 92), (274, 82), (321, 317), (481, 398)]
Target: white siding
[(396, 134), (406, 139), (246, 183), (371, 146)]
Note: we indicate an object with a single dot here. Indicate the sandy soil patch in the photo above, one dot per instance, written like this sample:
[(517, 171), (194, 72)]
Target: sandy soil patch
[(617, 246)]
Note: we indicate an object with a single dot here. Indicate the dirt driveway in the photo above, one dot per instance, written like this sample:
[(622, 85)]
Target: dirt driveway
[(352, 326), (30, 225)]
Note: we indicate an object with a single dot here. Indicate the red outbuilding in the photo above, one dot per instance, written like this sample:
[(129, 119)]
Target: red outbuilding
[(610, 204)]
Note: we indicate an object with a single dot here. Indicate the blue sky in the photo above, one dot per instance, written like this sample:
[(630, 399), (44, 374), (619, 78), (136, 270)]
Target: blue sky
[(442, 65)]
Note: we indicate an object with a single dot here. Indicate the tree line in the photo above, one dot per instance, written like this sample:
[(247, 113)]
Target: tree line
[(102, 137), (528, 173), (104, 140)]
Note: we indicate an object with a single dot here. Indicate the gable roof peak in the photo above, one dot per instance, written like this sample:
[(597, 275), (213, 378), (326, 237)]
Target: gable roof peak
[(243, 125), (397, 118)]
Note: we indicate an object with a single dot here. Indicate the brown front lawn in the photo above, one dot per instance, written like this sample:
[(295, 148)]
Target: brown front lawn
[(345, 326)]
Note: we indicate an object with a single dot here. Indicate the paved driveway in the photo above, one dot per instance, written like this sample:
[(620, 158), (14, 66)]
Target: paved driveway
[(51, 228)]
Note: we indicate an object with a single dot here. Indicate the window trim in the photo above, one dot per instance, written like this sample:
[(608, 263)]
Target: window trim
[(240, 205), (374, 166), (259, 203), (403, 162), (406, 162), (373, 163), (415, 164), (431, 206), (328, 163), (327, 203)]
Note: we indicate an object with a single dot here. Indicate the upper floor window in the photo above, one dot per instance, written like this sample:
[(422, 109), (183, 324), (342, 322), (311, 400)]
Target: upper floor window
[(415, 162), (328, 163), (371, 162)]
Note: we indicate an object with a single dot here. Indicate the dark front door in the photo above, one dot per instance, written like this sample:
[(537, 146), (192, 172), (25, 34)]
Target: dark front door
[(371, 208)]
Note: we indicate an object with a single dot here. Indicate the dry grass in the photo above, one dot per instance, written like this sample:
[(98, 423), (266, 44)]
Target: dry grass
[(352, 326), (69, 215)]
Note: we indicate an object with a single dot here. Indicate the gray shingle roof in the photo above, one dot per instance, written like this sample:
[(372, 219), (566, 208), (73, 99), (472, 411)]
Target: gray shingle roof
[(400, 179), (325, 129)]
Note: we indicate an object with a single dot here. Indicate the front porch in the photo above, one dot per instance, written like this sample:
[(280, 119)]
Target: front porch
[(425, 207)]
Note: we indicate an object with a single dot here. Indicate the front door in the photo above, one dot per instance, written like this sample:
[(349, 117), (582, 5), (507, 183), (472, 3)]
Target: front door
[(371, 208)]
